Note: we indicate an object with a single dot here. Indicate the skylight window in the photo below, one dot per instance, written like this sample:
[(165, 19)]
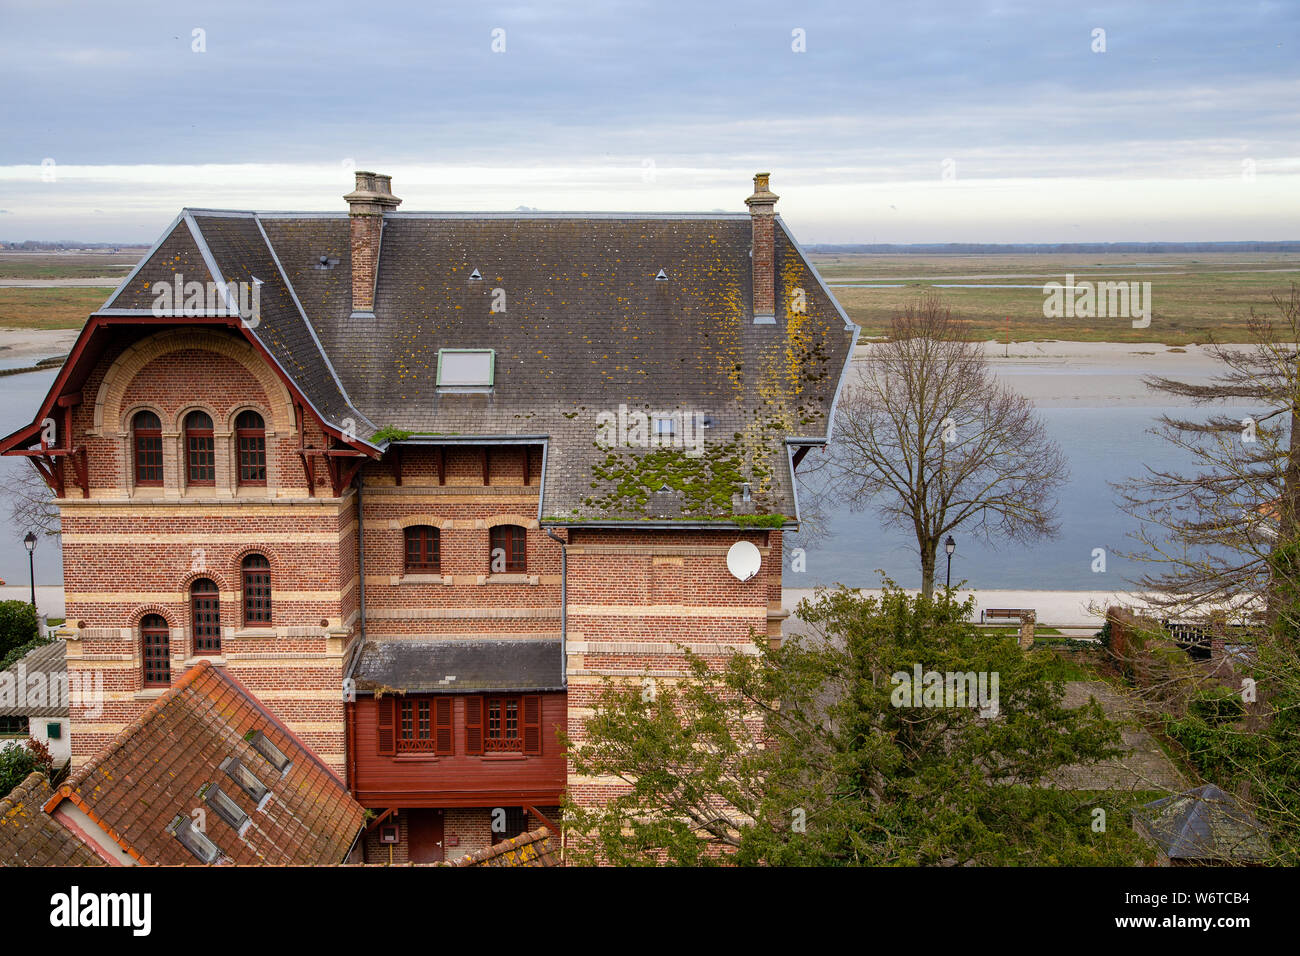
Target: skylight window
[(662, 276), (475, 275), (273, 754), (665, 427), (466, 368), (197, 843), (245, 779), (225, 807)]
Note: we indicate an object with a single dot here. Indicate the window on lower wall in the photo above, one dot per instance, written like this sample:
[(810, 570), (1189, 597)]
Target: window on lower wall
[(155, 651), (509, 554), (422, 550), (257, 591), (13, 727), (205, 616), (508, 824)]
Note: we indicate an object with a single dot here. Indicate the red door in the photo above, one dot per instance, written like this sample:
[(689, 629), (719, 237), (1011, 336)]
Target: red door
[(424, 836)]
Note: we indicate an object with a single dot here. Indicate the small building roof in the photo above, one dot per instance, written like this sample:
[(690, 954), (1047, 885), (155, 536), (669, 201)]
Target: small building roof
[(1202, 824), (209, 744), (460, 666), (31, 837), (47, 696)]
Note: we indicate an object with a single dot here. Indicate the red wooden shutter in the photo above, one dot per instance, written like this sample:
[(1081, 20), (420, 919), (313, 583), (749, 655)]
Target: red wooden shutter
[(387, 733), (474, 725), (442, 726), (532, 724)]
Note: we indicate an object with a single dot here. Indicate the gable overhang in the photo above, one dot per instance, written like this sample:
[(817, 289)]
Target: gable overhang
[(90, 346)]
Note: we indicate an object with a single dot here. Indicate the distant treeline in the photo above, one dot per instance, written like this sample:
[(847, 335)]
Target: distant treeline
[(1048, 248), (35, 245)]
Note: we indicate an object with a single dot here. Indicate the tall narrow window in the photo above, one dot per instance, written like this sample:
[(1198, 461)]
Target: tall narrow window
[(509, 551), (250, 433), (257, 591), (422, 548), (205, 612), (155, 650), (200, 451), (146, 429)]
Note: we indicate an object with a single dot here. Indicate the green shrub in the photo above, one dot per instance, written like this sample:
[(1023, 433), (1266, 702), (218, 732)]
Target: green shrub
[(18, 625), (17, 761)]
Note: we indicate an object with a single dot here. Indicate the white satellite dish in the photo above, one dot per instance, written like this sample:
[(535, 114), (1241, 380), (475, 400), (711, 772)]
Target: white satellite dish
[(743, 560)]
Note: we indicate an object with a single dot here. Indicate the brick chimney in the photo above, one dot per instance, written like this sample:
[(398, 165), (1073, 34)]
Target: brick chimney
[(762, 213), (366, 207)]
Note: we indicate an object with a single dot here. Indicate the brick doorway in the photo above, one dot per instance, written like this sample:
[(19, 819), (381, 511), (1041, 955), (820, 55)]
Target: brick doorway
[(424, 836)]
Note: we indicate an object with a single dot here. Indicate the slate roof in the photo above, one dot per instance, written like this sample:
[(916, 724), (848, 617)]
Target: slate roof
[(158, 768), (49, 660), (460, 666), (31, 837), (1202, 824), (586, 327)]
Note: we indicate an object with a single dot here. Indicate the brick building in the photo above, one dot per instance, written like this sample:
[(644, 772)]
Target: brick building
[(419, 482)]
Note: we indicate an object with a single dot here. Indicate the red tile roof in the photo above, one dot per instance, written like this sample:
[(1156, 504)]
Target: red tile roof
[(160, 769), (31, 837)]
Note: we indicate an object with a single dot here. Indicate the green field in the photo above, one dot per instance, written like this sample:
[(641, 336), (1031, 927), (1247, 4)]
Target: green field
[(39, 265), (65, 307), (1194, 296)]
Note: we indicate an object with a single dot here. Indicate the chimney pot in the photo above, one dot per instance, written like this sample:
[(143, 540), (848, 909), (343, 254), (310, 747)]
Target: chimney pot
[(367, 204), (762, 212)]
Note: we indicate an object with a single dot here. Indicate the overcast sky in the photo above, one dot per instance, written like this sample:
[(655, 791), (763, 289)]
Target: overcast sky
[(957, 121)]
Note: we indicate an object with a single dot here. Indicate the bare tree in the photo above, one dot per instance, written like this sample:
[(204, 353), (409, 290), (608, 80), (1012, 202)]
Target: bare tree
[(930, 439), (1207, 532), (31, 502)]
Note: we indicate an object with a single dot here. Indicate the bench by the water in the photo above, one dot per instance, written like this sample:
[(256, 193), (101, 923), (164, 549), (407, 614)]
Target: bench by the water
[(1003, 614)]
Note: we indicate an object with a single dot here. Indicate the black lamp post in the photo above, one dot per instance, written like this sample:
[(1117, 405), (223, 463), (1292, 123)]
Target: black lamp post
[(29, 543), (950, 546)]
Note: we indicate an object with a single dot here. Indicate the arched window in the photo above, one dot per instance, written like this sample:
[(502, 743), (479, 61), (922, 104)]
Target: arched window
[(205, 611), (146, 431), (257, 591), (250, 431), (422, 548), (200, 452), (155, 651), (509, 552)]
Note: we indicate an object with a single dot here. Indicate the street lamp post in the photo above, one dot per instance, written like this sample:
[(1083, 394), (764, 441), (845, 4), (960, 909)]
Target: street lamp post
[(29, 543), (950, 546)]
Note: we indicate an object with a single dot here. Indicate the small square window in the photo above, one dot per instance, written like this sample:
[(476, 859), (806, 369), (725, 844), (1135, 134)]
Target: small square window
[(54, 731), (388, 833), (665, 427), (466, 368)]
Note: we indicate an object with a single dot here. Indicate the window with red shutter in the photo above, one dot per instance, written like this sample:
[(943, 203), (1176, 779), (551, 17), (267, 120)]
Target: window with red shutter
[(474, 725), (444, 731), (386, 732), (532, 724)]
